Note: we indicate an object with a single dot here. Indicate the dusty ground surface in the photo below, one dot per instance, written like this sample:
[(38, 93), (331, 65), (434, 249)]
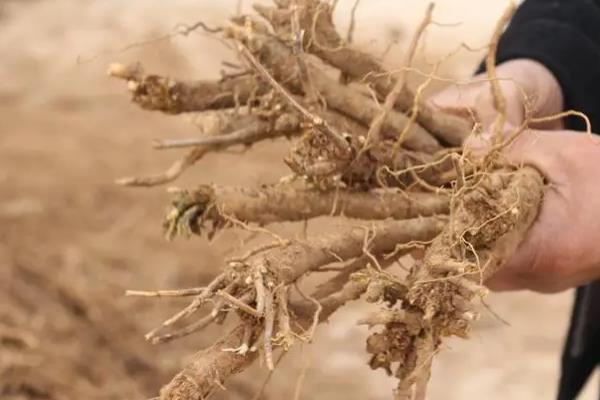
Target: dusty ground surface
[(71, 241)]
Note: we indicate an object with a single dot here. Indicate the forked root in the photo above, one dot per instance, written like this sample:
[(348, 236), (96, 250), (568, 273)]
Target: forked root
[(259, 283)]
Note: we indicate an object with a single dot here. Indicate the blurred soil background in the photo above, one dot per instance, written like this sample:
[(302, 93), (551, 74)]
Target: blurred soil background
[(71, 241)]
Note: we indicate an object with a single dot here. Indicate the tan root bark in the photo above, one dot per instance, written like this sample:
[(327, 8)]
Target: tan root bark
[(322, 39), (215, 204)]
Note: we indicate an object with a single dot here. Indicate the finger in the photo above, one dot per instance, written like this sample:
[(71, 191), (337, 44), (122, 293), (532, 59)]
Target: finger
[(458, 100), (456, 97), (546, 151), (502, 283)]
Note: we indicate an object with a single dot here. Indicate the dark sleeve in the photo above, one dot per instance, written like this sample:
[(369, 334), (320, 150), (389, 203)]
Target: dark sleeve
[(564, 35)]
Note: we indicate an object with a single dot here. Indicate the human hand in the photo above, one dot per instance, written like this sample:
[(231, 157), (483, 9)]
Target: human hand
[(526, 85), (561, 249)]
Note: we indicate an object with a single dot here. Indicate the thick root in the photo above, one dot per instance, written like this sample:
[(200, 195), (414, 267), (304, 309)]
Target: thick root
[(214, 205)]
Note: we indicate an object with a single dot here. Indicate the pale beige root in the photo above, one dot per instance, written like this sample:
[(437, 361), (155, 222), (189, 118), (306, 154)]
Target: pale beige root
[(211, 368), (225, 128), (159, 93), (155, 92), (298, 258), (172, 173), (322, 39), (215, 204), (203, 96), (230, 127), (486, 226), (490, 64), (278, 58), (284, 265), (252, 275)]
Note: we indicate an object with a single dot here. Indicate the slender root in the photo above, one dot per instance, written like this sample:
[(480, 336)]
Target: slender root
[(166, 293), (268, 334), (260, 292), (238, 304), (499, 99), (253, 130), (188, 330), (192, 307), (392, 97), (174, 171)]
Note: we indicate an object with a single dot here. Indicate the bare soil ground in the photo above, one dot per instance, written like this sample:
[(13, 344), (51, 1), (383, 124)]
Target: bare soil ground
[(71, 241)]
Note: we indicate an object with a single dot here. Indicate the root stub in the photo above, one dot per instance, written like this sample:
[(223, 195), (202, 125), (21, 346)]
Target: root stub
[(157, 93)]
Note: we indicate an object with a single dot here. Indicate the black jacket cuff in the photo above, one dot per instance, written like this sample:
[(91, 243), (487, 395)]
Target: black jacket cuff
[(568, 53)]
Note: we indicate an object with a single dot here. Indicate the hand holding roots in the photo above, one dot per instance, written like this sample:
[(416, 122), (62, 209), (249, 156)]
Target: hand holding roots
[(394, 168)]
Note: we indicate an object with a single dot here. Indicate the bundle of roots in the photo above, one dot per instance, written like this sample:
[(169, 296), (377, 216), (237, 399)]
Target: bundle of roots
[(365, 147)]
